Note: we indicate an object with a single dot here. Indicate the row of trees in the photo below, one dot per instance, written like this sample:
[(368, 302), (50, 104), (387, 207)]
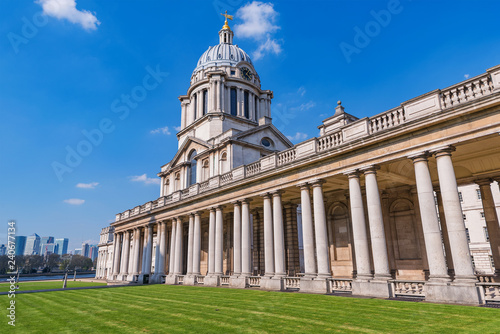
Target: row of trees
[(32, 263)]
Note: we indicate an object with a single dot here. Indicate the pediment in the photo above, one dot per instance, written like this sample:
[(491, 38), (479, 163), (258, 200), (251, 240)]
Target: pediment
[(191, 143)]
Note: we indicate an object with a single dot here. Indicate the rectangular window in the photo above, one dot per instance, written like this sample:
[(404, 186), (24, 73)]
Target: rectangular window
[(473, 263), (486, 236), (468, 235), (234, 102), (478, 192), (205, 102), (482, 214), (256, 117), (465, 216), (246, 105), (195, 106), (460, 197), (233, 73)]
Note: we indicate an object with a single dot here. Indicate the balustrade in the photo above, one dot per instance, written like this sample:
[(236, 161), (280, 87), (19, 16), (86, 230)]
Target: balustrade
[(286, 156), (292, 283), (491, 292), (389, 119), (224, 280), (340, 285), (469, 90), (199, 279), (329, 141), (253, 281), (253, 169), (226, 178), (409, 288)]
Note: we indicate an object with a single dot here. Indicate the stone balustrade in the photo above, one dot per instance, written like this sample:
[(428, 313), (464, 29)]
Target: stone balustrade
[(340, 285), (486, 278), (253, 281), (224, 280), (491, 292), (420, 107), (180, 279), (292, 283), (409, 288), (198, 279)]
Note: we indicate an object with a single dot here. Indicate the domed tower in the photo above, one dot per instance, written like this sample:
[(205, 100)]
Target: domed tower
[(226, 118)]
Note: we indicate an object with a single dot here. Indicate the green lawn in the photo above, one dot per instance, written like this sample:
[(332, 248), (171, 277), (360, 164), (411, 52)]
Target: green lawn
[(25, 286), (179, 309)]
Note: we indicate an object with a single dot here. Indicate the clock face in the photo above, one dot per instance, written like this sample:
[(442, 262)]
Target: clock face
[(246, 73)]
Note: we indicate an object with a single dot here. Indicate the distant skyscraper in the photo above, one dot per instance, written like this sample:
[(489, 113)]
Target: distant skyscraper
[(85, 249), (32, 245), (20, 244), (93, 252), (3, 249), (78, 251), (61, 246), (43, 243), (48, 249)]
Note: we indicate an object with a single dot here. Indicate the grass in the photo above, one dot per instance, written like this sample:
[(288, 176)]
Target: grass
[(25, 286), (180, 309)]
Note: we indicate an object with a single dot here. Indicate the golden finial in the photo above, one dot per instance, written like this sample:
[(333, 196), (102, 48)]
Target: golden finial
[(227, 16)]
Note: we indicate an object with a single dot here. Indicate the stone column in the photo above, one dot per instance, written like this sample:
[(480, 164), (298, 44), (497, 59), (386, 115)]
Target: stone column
[(462, 263), (444, 230), (117, 254), (149, 251), (376, 223), (190, 245), (320, 230), (268, 236), (125, 256), (137, 246), (157, 249), (196, 244), (211, 242), (307, 231), (279, 235), (491, 217), (171, 261), (163, 248), (430, 224), (237, 238), (219, 238), (179, 233), (359, 233), (246, 239)]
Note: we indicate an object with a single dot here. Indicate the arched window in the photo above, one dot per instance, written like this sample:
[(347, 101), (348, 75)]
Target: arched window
[(224, 166), (206, 170), (246, 105), (166, 189), (192, 168), (205, 102), (195, 108), (177, 182)]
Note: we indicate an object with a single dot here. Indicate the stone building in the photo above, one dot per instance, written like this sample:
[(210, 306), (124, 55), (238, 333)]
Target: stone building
[(105, 254), (380, 213)]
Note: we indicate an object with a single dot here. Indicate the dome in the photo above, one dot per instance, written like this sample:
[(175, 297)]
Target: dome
[(222, 55)]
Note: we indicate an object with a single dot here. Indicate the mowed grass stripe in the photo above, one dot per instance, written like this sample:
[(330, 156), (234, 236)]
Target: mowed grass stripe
[(178, 309)]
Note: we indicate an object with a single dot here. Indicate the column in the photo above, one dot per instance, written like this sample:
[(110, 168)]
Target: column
[(376, 223), (211, 242), (237, 238), (171, 256), (149, 250), (117, 254), (159, 241), (219, 238), (279, 235), (163, 248), (125, 255), (320, 229), (196, 244), (144, 250), (268, 236), (137, 238), (178, 247), (190, 245), (444, 230), (361, 249), (491, 217), (462, 263), (246, 239), (307, 231), (430, 224)]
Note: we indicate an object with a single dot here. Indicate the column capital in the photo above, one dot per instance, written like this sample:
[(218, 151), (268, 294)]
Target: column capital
[(246, 200), (218, 207), (420, 156), (277, 192), (443, 151), (370, 169), (354, 173), (197, 213), (266, 195), (236, 203), (483, 181), (317, 182), (303, 185)]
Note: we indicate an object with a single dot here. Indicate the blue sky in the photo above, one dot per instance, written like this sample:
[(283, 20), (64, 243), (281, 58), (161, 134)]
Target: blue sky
[(65, 71)]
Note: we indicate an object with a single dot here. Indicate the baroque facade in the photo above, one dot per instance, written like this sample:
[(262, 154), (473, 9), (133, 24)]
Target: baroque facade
[(370, 207)]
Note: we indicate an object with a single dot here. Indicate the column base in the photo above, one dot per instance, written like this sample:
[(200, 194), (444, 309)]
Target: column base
[(238, 282), (121, 277), (313, 285), (457, 293), (188, 280), (171, 279), (212, 280), (132, 277), (271, 283), (144, 279), (373, 288)]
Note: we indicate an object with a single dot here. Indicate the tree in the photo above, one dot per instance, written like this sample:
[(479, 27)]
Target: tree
[(80, 262), (53, 260)]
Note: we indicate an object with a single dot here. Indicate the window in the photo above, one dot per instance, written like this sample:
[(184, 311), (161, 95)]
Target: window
[(224, 163), (460, 197), (482, 214), (205, 102), (246, 105), (478, 192), (266, 142), (195, 106), (464, 216), (233, 73), (468, 235), (473, 263), (206, 170), (255, 109), (486, 236), (492, 263), (234, 102), (177, 182), (192, 169), (166, 189)]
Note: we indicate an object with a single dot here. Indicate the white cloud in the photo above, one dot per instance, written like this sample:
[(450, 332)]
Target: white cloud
[(301, 91), (304, 106), (74, 201), (297, 137), (145, 179), (164, 131), (90, 185), (259, 24), (177, 128), (66, 9), (466, 76)]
